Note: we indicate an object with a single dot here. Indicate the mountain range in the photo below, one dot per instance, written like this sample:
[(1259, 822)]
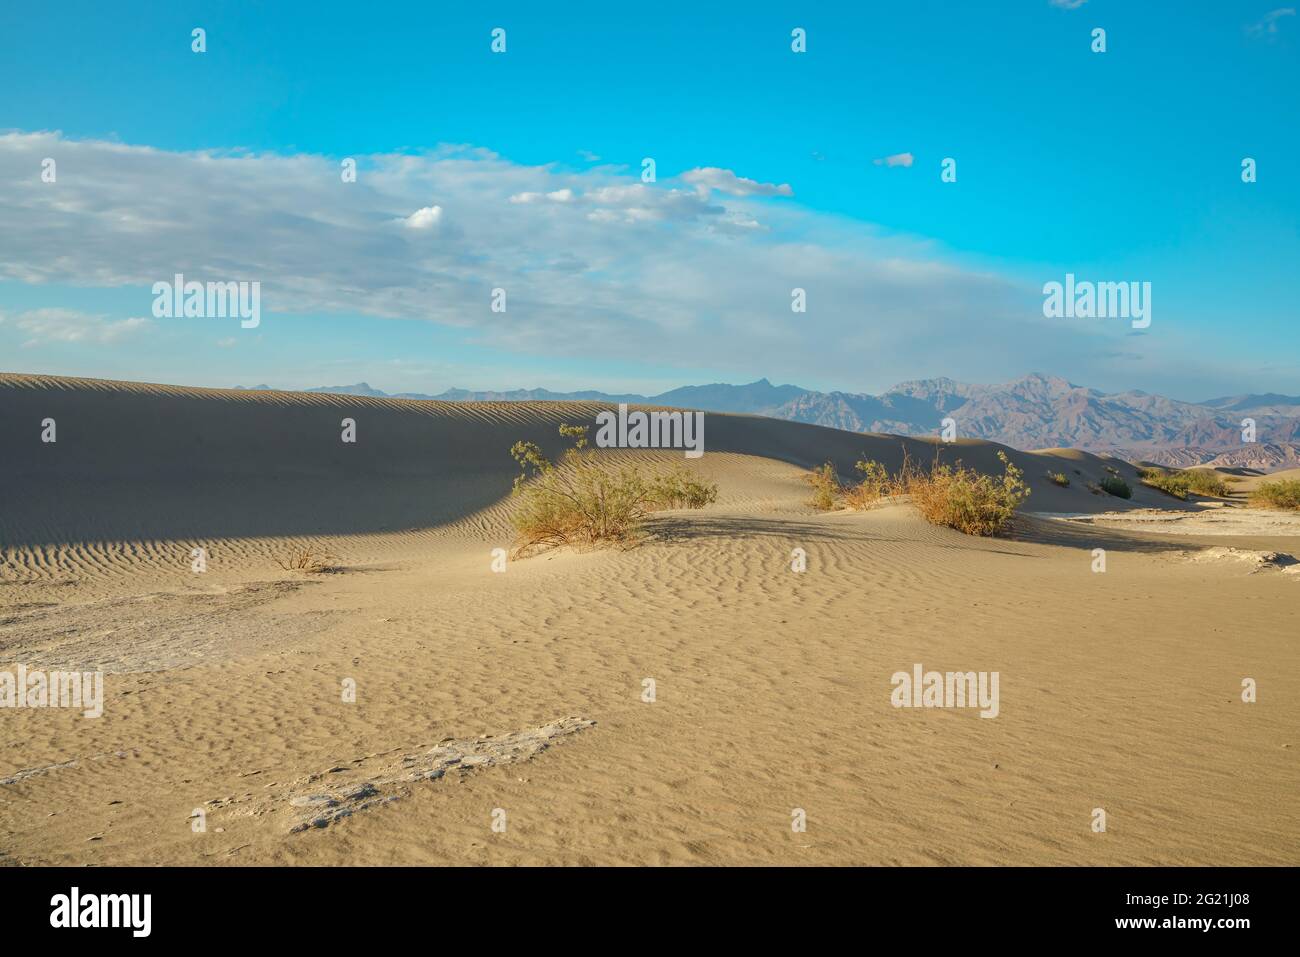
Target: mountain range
[(1032, 412)]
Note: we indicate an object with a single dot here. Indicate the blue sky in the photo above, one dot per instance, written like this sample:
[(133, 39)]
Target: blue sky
[(1118, 166)]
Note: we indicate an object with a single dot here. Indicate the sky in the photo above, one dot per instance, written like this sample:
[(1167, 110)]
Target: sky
[(775, 170)]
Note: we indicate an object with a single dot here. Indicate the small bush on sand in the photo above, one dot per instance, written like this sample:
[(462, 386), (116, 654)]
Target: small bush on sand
[(875, 477), (1059, 478), (1204, 482), (1114, 485), (583, 502), (826, 487), (1284, 493), (1178, 484), (949, 495), (305, 559), (1167, 482), (967, 500), (875, 485)]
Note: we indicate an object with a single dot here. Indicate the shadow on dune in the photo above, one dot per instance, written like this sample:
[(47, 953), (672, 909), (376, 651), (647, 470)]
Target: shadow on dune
[(154, 463), (691, 527), (792, 532), (1041, 531), (1027, 530)]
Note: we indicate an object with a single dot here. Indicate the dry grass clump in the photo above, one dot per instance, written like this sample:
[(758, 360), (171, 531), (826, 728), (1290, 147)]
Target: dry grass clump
[(1284, 493), (877, 484), (1059, 478), (1179, 484), (948, 495), (967, 500), (303, 558), (582, 502)]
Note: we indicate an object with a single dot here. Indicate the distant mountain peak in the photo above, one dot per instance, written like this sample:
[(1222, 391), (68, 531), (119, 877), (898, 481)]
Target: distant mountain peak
[(1034, 411)]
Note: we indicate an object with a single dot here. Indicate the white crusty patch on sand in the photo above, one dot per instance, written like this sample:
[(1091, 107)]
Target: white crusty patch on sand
[(154, 630), (19, 776), (1213, 520), (1261, 560), (321, 807)]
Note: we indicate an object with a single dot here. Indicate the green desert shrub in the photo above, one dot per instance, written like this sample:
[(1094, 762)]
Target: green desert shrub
[(1171, 483), (967, 500), (1179, 484), (1283, 493), (1204, 482), (1059, 478), (826, 487), (875, 478), (584, 502), (1114, 485)]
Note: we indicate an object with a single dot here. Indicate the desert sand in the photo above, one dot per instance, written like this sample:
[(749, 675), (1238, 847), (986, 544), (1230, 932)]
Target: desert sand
[(521, 691)]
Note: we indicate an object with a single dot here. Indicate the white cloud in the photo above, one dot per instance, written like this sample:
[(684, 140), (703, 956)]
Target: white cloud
[(690, 271), (735, 221), (1068, 4), (427, 217), (555, 196), (898, 159), (725, 181), (44, 326)]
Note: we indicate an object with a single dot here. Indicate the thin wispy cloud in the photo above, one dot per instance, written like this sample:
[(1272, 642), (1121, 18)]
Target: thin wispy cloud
[(44, 326), (725, 181), (1067, 4), (1268, 26)]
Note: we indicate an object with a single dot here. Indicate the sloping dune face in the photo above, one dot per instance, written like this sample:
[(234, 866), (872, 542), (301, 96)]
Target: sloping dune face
[(723, 693), (134, 462), (151, 462)]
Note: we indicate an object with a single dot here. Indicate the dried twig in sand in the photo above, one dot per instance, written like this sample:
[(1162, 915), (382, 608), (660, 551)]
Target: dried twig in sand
[(306, 559)]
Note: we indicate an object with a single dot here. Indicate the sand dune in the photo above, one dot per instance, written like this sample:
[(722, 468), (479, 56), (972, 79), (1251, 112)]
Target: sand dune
[(225, 691), (137, 462)]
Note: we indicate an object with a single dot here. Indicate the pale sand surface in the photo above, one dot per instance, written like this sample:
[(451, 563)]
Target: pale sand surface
[(1212, 520), (1118, 690)]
